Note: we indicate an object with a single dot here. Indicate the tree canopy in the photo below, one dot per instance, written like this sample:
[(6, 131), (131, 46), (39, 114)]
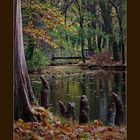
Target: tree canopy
[(91, 25)]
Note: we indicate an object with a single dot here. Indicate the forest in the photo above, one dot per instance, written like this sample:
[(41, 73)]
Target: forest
[(70, 70)]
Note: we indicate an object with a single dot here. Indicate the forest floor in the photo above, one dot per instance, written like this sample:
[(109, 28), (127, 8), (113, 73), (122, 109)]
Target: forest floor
[(102, 61), (53, 127)]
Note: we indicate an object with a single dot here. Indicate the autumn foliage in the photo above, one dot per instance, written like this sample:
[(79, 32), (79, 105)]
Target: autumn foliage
[(39, 19), (53, 127)]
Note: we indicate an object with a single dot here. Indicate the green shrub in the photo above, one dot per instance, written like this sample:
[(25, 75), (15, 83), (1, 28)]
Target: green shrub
[(38, 61)]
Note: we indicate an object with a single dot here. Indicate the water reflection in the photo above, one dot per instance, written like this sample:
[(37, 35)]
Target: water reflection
[(95, 85)]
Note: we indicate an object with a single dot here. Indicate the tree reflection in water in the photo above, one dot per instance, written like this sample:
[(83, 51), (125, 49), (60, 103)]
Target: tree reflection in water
[(96, 85)]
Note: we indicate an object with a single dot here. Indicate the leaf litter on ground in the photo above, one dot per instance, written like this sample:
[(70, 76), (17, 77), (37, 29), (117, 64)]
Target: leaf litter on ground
[(51, 128)]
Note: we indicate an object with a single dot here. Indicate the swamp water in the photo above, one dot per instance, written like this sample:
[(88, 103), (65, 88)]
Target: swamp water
[(96, 85)]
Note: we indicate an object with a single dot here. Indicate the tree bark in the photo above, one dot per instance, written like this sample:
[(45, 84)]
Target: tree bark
[(45, 91), (23, 93), (119, 117), (82, 38), (99, 43), (108, 29), (119, 7), (92, 44), (84, 110), (89, 39), (121, 34)]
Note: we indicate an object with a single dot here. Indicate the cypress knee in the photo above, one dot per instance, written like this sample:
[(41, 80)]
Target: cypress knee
[(44, 92), (119, 117), (70, 113), (84, 110), (62, 108)]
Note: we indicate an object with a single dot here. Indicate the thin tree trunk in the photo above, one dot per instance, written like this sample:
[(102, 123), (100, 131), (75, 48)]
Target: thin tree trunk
[(81, 22), (94, 44), (121, 40), (82, 38), (99, 43), (89, 39), (93, 24)]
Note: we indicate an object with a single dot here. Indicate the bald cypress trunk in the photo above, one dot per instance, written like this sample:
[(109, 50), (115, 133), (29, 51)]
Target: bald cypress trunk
[(23, 93)]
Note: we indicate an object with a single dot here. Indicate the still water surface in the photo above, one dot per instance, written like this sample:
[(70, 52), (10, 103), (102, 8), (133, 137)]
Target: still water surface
[(96, 85)]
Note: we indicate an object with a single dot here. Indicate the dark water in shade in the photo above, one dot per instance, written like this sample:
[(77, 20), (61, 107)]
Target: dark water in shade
[(96, 85)]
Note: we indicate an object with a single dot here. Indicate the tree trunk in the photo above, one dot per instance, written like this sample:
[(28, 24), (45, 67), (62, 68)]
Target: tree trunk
[(89, 39), (119, 7), (93, 24), (108, 29), (94, 44), (99, 43), (23, 93), (80, 8), (82, 38), (121, 39), (104, 42)]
